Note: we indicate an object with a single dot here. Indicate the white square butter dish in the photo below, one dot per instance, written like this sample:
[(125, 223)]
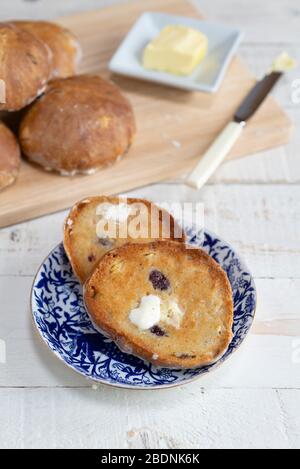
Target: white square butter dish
[(223, 42)]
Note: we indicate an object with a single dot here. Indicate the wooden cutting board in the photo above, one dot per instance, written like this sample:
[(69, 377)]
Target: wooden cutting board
[(174, 126)]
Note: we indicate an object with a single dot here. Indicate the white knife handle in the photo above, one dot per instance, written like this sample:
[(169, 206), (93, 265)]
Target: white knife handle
[(215, 155)]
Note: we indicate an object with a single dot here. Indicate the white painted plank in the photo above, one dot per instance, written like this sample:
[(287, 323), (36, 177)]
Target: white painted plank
[(262, 22), (23, 247), (43, 9), (177, 418), (264, 360), (282, 16), (290, 409), (278, 310), (276, 166), (261, 222)]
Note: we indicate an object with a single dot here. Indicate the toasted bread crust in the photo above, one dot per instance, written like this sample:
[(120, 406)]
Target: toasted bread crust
[(24, 66), (63, 44), (198, 283), (93, 126), (80, 238)]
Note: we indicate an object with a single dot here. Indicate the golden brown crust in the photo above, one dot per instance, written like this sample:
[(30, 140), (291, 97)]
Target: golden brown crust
[(62, 43), (93, 125), (9, 157), (24, 66), (198, 284), (82, 244)]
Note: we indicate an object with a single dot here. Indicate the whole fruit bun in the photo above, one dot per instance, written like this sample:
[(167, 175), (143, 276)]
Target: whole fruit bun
[(63, 44), (9, 157), (24, 66), (81, 123)]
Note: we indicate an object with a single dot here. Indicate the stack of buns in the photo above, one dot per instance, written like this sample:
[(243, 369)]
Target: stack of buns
[(65, 122), (155, 296)]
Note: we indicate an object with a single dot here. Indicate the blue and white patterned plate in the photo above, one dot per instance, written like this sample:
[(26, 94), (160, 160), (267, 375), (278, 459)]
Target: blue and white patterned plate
[(62, 321)]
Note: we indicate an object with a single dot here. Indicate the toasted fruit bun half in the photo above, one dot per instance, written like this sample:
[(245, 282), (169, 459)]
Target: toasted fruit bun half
[(96, 225), (163, 302)]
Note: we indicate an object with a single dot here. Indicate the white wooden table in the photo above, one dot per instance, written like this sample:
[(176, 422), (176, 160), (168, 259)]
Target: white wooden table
[(254, 203)]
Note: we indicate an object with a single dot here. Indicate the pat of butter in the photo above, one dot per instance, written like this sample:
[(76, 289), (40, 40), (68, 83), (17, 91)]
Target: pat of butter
[(178, 50), (283, 63), (171, 313), (152, 310), (147, 314)]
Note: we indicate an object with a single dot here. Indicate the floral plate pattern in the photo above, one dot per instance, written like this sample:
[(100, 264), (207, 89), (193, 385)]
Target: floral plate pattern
[(62, 321)]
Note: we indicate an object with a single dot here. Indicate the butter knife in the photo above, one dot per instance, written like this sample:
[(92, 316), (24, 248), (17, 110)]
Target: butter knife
[(219, 149)]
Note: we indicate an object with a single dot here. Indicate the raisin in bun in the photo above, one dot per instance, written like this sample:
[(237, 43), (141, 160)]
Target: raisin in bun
[(62, 43), (86, 242), (162, 302), (24, 66), (9, 157), (81, 123)]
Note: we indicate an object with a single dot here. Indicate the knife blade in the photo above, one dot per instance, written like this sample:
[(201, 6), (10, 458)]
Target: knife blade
[(219, 149), (256, 97)]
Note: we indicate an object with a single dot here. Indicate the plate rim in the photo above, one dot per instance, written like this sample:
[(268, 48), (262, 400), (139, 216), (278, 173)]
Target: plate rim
[(180, 84), (139, 387)]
